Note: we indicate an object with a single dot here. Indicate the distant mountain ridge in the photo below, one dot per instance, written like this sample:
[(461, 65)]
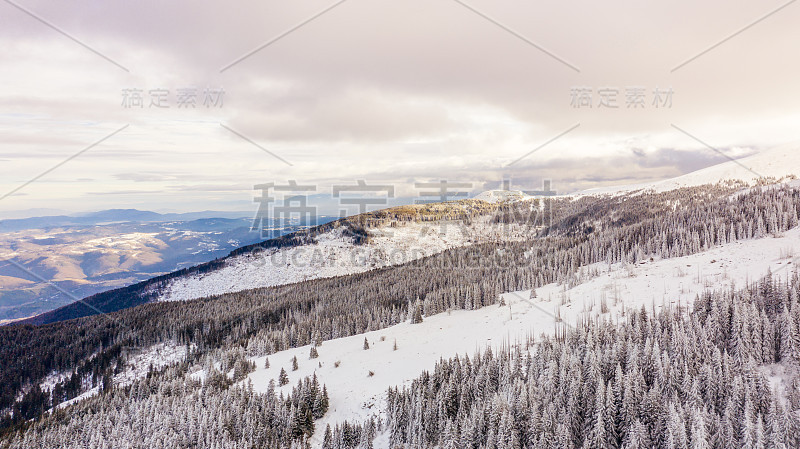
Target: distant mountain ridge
[(43, 269), (112, 216)]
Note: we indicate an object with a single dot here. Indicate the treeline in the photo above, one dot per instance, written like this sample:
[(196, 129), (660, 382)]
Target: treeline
[(580, 232), (669, 381)]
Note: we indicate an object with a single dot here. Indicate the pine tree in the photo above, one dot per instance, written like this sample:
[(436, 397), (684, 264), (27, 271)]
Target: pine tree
[(366, 344), (675, 429), (698, 431), (283, 378), (687, 373), (320, 403), (417, 316), (598, 436), (313, 354), (450, 438), (107, 383), (637, 437), (327, 440), (295, 367)]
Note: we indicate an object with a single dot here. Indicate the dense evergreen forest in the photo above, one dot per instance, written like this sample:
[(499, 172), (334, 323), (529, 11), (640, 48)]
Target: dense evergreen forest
[(168, 410), (566, 235), (669, 381)]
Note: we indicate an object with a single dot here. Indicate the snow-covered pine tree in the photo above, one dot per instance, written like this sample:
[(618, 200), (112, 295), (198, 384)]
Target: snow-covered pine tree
[(416, 317), (283, 378)]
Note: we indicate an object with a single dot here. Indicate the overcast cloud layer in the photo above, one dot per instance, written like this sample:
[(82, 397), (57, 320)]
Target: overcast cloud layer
[(386, 91)]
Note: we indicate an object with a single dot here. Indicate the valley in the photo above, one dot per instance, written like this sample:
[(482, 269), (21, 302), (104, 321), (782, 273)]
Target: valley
[(43, 269)]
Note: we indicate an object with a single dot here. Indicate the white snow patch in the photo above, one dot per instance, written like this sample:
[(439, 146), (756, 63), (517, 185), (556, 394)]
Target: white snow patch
[(780, 376), (501, 196)]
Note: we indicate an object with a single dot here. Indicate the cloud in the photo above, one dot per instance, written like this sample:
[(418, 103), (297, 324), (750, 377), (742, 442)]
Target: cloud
[(354, 115), (213, 188), (383, 90), (124, 192), (686, 161), (145, 177)]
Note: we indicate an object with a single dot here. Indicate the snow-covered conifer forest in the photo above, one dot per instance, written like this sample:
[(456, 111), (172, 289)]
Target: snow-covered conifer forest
[(629, 320)]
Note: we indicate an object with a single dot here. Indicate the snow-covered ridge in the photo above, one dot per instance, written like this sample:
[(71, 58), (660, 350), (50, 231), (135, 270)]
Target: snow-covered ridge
[(781, 163), (350, 245), (334, 254)]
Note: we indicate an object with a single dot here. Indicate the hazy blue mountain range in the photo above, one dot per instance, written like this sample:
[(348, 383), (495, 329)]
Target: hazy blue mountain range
[(48, 262), (111, 216)]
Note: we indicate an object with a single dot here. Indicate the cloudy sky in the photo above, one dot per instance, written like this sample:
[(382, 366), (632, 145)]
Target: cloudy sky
[(391, 92)]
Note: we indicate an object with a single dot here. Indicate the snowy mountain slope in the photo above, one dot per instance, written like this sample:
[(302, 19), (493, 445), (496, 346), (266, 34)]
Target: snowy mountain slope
[(780, 163), (355, 394), (334, 254)]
